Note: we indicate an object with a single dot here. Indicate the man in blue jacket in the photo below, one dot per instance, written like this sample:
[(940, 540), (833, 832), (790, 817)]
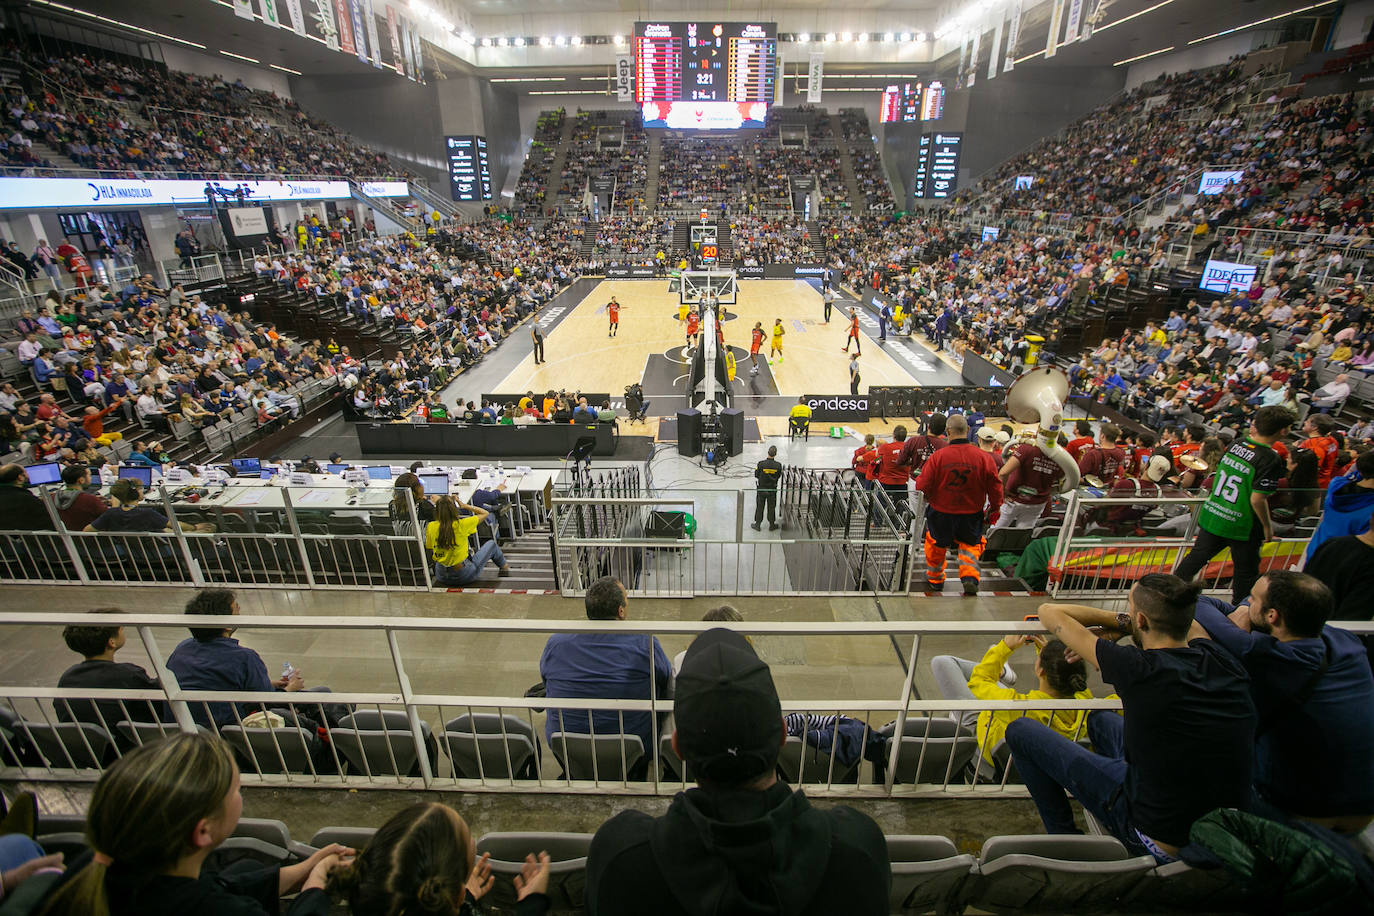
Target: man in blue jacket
[(1349, 500)]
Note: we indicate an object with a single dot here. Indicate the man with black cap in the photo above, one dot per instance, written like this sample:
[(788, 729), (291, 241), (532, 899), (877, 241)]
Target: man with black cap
[(741, 841)]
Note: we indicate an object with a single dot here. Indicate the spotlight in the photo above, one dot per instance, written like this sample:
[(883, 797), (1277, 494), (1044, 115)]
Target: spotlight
[(560, 41), (804, 37), (486, 42), (829, 37), (575, 40), (619, 40), (844, 36), (889, 37), (544, 41), (920, 36), (906, 36), (863, 37), (519, 41)]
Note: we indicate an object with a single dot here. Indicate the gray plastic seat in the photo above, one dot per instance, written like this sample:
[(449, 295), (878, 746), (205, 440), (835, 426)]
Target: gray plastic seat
[(69, 745), (802, 762), (600, 757), (567, 869), (381, 743), (933, 750), (1179, 886), (287, 749), (491, 746), (928, 874), (352, 837), (1055, 874)]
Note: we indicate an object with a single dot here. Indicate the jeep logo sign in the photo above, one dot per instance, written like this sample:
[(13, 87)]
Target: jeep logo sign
[(837, 408)]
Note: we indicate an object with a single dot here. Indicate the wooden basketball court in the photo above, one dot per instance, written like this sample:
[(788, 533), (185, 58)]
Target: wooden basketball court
[(648, 347)]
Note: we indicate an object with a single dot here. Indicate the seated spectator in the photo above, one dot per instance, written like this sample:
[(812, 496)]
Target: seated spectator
[(155, 817), (422, 860), (127, 515), (212, 660), (1346, 566), (1182, 746), (1059, 678), (424, 506), (20, 509), (742, 841), (97, 645), (77, 506), (1332, 394), (604, 666), (1313, 692), (447, 540)]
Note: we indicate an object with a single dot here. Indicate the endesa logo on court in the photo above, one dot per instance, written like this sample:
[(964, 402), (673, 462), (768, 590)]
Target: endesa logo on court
[(837, 408)]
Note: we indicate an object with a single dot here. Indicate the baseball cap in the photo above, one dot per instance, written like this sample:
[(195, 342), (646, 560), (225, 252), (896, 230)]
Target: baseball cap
[(1157, 468), (726, 709), (987, 433), (1003, 437)]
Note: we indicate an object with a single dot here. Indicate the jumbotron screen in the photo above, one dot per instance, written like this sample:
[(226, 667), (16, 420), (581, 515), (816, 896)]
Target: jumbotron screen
[(913, 102), (705, 75)]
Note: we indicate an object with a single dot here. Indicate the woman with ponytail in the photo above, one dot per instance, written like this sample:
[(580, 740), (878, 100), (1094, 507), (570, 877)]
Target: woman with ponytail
[(423, 862), (155, 817), (1060, 677)]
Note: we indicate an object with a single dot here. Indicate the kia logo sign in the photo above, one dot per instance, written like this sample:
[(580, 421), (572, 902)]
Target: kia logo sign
[(837, 408)]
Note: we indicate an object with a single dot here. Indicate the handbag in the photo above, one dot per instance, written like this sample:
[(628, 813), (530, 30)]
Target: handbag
[(264, 719)]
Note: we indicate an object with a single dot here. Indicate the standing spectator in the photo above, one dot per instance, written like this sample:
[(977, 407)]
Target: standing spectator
[(891, 473), (920, 447), (1029, 478), (741, 841), (155, 817), (960, 481), (625, 666), (1236, 513), (767, 476), (1082, 440), (1181, 748), (1349, 500), (1313, 692), (1105, 460), (97, 646), (863, 461), (1321, 443)]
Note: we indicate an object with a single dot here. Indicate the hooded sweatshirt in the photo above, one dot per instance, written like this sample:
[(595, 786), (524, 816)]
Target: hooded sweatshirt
[(1346, 511), (739, 853), (77, 508)]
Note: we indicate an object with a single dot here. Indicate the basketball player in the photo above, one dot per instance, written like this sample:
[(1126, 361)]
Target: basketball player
[(693, 329), (754, 344), (776, 346), (613, 312), (853, 333)]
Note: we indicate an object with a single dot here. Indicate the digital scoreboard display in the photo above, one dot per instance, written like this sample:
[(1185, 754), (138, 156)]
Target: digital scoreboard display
[(906, 102), (933, 101), (469, 175), (937, 165), (705, 74)]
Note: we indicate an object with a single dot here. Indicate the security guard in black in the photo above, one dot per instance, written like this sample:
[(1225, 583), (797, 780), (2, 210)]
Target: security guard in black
[(767, 474)]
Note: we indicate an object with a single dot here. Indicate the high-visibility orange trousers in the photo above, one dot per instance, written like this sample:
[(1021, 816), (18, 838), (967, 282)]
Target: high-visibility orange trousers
[(968, 560)]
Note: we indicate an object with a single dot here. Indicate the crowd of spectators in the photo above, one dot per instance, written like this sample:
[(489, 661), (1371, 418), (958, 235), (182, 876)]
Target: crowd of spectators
[(868, 166), (632, 239), (112, 115), (607, 144), (532, 190), (767, 241)]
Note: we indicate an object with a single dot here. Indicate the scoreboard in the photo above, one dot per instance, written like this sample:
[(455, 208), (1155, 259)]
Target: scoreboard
[(937, 166), (469, 174), (705, 74), (913, 102)]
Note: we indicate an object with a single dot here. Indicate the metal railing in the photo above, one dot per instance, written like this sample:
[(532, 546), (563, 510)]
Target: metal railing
[(1099, 556)]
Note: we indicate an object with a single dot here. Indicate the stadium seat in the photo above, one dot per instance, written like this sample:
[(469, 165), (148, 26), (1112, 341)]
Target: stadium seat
[(381, 745), (64, 833), (1055, 874), (801, 762), (491, 746), (567, 871), (934, 750), (928, 874), (70, 745), (600, 757), (352, 837), (272, 750)]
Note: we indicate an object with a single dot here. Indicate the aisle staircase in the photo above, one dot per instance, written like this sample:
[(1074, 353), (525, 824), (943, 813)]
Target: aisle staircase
[(682, 237), (654, 160), (55, 159), (816, 236), (531, 561), (857, 201), (560, 158)]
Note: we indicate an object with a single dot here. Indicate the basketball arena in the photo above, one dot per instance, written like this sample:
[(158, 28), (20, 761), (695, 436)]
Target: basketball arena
[(775, 459)]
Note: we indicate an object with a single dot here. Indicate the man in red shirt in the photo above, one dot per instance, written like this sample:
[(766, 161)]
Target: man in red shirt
[(1083, 440), (919, 448), (613, 312), (693, 328), (756, 341), (1104, 461), (48, 408), (1030, 479), (1319, 442), (863, 462), (891, 473), (959, 481)]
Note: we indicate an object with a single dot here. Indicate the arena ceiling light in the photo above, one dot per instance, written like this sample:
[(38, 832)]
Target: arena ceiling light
[(1250, 25), (285, 69), (1148, 9), (920, 36), (804, 38), (575, 41), (829, 37), (251, 60), (486, 42), (1131, 60), (845, 36), (888, 36), (906, 36), (862, 37), (519, 41), (545, 41), (619, 40), (560, 40)]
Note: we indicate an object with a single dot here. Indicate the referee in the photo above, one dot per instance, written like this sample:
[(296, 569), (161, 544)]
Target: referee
[(768, 473), (537, 336)]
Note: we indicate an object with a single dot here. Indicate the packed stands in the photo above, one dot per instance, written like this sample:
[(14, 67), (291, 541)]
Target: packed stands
[(533, 187), (868, 167)]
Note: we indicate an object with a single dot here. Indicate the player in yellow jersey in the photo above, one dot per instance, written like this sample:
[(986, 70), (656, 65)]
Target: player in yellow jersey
[(776, 346)]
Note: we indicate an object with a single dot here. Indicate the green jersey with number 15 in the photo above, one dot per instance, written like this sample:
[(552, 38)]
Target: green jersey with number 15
[(1247, 467)]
